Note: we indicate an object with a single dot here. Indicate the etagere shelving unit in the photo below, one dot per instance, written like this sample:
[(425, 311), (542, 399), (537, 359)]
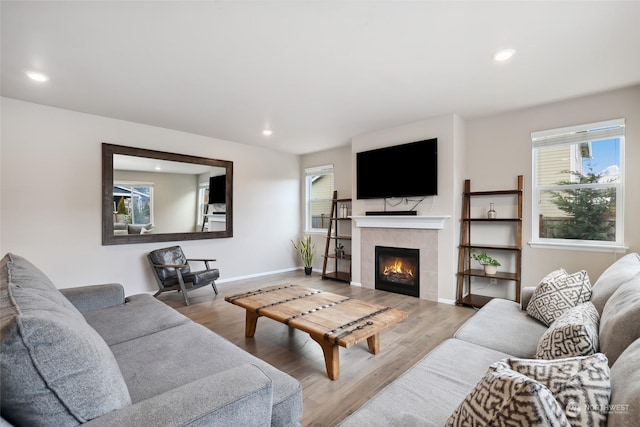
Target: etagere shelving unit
[(339, 223), (465, 272)]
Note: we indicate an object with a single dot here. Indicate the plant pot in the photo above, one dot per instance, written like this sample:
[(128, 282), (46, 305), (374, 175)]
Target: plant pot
[(307, 271), (490, 269)]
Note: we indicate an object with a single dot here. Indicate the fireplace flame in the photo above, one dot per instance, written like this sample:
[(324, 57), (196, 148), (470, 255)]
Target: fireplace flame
[(397, 267)]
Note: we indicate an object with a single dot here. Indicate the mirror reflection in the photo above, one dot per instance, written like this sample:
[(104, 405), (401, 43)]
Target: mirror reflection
[(156, 196)]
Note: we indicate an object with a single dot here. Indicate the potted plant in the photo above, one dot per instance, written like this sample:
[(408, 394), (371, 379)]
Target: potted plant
[(490, 264), (339, 250), (305, 248), (121, 214)]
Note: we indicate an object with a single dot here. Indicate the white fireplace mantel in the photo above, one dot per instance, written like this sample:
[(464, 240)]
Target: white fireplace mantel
[(401, 221)]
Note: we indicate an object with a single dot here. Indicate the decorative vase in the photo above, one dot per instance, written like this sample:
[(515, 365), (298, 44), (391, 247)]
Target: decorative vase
[(491, 214), (490, 269), (307, 271)]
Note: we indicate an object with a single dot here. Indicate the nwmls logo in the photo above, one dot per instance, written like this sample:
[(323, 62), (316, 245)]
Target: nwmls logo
[(573, 408), (618, 408)]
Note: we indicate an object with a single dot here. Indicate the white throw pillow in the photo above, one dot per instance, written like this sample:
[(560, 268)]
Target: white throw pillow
[(552, 297), (574, 333)]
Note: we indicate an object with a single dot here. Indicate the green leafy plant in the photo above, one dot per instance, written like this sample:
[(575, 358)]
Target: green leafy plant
[(122, 207), (483, 258), (306, 249)]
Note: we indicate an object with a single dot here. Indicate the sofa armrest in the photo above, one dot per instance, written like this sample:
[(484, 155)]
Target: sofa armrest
[(242, 396), (525, 296), (95, 297)]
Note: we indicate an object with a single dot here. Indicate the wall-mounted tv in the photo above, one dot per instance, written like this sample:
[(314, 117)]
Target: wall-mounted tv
[(406, 170), (218, 189)]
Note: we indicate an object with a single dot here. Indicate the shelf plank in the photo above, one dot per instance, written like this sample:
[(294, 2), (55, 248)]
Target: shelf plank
[(346, 257), (492, 220), (496, 247), (345, 237), (338, 275), (493, 193), (501, 275), (475, 300)]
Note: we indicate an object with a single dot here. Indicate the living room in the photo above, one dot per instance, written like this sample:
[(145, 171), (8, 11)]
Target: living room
[(51, 210)]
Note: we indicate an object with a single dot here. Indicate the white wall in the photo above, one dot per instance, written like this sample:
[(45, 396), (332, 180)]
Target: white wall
[(499, 148), (51, 198), (450, 131)]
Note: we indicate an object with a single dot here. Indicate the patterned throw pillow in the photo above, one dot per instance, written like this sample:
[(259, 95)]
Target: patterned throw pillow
[(530, 392), (581, 385), (554, 296), (504, 397), (574, 333)]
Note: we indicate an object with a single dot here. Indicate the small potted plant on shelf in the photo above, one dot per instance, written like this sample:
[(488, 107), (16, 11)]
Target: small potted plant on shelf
[(490, 264), (339, 250), (305, 248)]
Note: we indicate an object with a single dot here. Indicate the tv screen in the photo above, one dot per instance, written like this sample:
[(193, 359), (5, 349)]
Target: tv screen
[(218, 189), (405, 170)]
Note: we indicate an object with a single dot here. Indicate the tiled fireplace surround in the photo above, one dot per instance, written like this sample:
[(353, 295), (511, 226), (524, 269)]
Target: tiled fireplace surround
[(424, 240)]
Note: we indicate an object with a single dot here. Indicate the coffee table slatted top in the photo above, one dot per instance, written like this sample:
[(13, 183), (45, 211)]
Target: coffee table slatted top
[(330, 319)]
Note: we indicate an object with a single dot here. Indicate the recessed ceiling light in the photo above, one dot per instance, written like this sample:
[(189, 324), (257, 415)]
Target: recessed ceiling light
[(39, 77), (267, 132), (503, 55), (158, 168)]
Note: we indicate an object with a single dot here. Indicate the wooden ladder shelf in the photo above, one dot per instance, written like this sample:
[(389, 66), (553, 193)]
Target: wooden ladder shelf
[(466, 273), (339, 222)]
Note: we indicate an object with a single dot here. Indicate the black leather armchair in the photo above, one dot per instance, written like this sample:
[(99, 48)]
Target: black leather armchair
[(173, 273)]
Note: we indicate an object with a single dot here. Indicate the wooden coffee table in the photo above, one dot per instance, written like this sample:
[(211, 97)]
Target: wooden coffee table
[(331, 320)]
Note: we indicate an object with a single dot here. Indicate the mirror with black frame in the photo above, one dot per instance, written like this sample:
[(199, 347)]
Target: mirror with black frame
[(155, 196)]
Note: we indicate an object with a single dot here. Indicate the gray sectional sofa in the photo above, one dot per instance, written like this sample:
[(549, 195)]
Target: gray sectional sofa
[(429, 392), (91, 356)]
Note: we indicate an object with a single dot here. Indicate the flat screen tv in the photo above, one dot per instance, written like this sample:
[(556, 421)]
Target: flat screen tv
[(218, 189), (406, 170)]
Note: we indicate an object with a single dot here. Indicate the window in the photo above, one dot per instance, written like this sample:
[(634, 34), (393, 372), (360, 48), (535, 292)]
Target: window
[(133, 202), (319, 193), (578, 181)]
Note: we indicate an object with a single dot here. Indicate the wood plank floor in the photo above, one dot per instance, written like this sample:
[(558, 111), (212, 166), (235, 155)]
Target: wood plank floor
[(362, 374)]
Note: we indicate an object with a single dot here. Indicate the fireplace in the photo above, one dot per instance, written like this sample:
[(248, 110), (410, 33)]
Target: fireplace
[(397, 270)]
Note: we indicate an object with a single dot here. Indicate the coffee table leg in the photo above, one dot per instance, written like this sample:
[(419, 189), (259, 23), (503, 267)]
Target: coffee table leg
[(250, 324), (374, 343), (331, 356)]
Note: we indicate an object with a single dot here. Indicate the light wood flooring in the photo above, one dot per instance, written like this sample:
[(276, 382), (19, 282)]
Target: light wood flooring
[(362, 374)]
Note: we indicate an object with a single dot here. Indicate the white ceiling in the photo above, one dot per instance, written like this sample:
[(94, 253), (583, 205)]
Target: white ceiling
[(316, 73)]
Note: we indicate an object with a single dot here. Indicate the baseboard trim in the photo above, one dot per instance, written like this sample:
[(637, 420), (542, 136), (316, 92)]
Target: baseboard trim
[(252, 276), (446, 301), (358, 284)]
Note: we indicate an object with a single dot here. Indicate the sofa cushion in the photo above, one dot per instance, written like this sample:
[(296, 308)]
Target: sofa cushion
[(137, 228), (506, 397), (148, 366), (140, 315), (554, 296), (624, 407), (501, 325), (581, 385), (613, 277), (55, 369), (431, 389), (574, 333), (620, 322), (25, 275)]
